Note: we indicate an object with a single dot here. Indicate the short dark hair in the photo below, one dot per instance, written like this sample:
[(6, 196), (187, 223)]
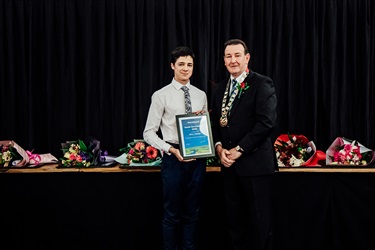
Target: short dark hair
[(181, 51), (235, 42)]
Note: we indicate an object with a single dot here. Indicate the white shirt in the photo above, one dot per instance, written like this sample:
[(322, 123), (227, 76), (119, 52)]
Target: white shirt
[(166, 103)]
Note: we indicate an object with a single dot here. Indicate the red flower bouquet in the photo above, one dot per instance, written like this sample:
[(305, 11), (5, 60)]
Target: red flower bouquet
[(296, 150), (139, 153)]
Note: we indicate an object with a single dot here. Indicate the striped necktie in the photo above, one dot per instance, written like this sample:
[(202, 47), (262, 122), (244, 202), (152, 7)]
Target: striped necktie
[(234, 85), (187, 100)]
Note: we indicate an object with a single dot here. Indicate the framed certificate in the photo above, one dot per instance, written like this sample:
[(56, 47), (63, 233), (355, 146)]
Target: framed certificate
[(195, 136)]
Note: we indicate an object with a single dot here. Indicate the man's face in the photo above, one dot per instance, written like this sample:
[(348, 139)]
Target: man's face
[(235, 59), (183, 69)]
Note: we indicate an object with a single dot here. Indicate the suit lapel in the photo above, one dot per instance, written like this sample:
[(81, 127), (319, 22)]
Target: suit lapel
[(235, 105), (237, 101)]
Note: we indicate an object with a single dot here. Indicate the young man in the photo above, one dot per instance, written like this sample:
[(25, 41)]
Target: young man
[(182, 179), (243, 118)]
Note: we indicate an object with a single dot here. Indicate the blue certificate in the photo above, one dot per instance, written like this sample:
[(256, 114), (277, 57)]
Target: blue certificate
[(195, 137)]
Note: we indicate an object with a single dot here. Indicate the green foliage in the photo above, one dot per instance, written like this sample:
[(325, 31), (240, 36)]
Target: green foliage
[(213, 161)]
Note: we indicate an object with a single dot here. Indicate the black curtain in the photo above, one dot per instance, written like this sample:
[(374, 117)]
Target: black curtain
[(70, 69)]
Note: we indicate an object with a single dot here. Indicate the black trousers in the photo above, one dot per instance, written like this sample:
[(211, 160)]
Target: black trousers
[(182, 186), (249, 210)]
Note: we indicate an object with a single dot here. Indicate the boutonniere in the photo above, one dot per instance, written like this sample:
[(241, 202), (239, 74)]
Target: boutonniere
[(242, 87)]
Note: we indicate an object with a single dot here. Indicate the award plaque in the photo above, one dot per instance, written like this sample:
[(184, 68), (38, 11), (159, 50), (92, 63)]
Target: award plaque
[(195, 136)]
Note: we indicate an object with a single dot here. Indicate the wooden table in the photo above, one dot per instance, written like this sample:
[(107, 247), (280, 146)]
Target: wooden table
[(53, 168)]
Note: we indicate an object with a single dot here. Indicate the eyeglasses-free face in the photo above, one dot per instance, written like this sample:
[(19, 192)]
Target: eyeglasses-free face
[(235, 59), (183, 69)]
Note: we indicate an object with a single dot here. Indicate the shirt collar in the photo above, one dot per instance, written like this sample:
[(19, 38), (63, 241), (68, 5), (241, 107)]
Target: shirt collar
[(178, 85), (231, 77)]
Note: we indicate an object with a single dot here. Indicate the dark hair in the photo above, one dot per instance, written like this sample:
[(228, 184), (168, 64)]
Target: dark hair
[(181, 51), (235, 42)]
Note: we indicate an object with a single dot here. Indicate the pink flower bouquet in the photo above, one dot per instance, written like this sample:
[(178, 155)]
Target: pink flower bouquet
[(346, 152), (12, 154)]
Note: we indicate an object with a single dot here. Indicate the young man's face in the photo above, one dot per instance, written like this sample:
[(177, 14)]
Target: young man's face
[(183, 69), (235, 59)]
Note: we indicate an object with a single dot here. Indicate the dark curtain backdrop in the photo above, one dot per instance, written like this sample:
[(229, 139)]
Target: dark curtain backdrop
[(70, 69)]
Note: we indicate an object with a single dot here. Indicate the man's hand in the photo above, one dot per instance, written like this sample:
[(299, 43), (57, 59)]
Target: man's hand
[(234, 154), (225, 156), (178, 155), (199, 112)]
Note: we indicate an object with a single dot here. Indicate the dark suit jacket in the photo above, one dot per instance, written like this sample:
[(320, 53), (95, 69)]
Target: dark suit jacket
[(251, 121)]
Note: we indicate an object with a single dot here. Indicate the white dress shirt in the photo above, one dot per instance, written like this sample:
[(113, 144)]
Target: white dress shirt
[(166, 103)]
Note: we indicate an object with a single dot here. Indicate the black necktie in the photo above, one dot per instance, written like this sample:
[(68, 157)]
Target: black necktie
[(187, 100)]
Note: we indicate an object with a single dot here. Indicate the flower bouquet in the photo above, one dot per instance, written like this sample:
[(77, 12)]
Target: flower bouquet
[(346, 152), (296, 150), (8, 154), (11, 154), (77, 154), (139, 153)]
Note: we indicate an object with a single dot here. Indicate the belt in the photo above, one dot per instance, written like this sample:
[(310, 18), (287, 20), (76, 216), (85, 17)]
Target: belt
[(174, 145)]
